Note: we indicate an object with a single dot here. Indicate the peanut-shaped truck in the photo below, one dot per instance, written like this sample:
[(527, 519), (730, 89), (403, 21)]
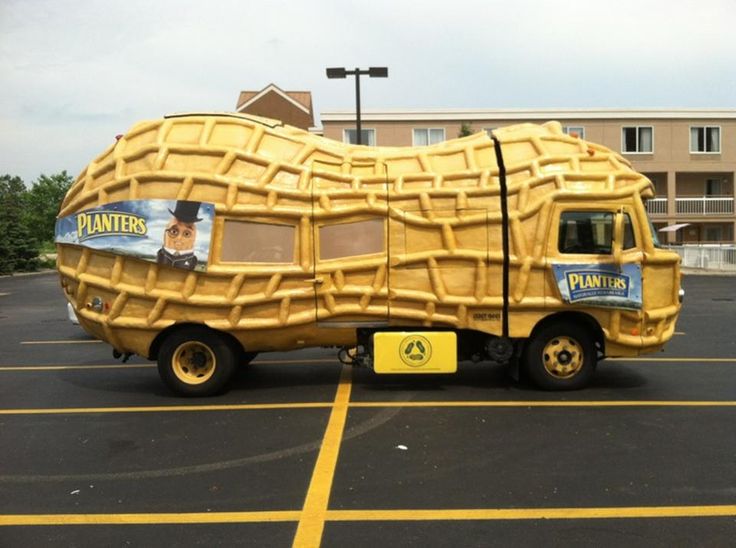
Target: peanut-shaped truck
[(201, 240)]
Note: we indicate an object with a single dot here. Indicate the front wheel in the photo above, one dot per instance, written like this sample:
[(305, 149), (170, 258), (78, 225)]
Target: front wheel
[(560, 356), (196, 361)]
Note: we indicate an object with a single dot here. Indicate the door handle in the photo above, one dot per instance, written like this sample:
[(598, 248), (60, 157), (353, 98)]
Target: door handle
[(318, 280)]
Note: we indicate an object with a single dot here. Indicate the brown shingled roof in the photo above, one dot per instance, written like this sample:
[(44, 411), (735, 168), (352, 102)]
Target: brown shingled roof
[(304, 98), (245, 96)]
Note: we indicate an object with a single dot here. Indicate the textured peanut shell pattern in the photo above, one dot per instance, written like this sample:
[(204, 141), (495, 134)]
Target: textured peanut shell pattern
[(442, 222)]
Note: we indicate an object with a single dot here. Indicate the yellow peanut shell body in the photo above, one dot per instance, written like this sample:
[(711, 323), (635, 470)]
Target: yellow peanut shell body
[(435, 211)]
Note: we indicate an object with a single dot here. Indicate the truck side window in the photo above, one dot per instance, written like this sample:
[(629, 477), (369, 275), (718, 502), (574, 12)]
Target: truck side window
[(629, 241), (351, 239), (589, 232), (247, 242)]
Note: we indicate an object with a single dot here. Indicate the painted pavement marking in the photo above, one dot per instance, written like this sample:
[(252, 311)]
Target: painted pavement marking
[(86, 341), (312, 520), (358, 405), (72, 367), (364, 515)]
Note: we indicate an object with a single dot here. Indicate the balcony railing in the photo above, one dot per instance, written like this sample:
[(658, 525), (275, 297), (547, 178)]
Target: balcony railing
[(696, 206), (657, 206), (706, 205), (707, 256)]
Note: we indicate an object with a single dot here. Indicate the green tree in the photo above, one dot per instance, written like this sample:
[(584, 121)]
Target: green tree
[(465, 129), (43, 202), (18, 249)]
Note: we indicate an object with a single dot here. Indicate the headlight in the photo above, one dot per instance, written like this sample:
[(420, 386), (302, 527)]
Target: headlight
[(71, 314)]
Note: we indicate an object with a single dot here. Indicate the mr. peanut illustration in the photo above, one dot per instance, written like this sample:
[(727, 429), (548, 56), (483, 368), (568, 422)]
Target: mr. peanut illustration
[(180, 236)]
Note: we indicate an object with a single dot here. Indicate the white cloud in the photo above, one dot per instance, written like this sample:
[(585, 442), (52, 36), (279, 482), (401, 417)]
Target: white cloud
[(75, 73)]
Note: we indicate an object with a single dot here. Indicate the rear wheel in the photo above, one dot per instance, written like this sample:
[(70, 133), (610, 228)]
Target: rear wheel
[(196, 361), (560, 356)]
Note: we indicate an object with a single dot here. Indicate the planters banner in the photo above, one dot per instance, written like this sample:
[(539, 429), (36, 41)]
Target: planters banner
[(174, 233), (600, 284)]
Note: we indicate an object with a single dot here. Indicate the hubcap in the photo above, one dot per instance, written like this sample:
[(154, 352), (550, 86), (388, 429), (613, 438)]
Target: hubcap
[(193, 362), (563, 357)]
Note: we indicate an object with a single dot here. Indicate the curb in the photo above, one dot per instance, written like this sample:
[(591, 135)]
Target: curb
[(24, 274), (702, 272)]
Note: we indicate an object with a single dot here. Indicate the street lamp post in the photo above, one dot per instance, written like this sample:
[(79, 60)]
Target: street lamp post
[(372, 72)]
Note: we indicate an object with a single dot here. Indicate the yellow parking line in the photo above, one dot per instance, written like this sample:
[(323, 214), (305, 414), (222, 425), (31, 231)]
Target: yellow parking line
[(684, 360), (679, 333), (140, 365), (64, 367), (164, 408), (90, 341), (312, 521), (310, 361), (469, 514), (378, 404), (541, 403), (4, 294), (533, 513), (286, 362), (144, 519)]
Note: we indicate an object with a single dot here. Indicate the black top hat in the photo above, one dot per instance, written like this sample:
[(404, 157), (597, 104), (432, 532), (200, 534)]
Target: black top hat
[(186, 212)]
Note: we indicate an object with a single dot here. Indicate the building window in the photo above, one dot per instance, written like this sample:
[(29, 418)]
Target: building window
[(713, 233), (428, 136), (245, 242), (713, 187), (575, 131), (367, 136), (705, 139), (637, 139), (351, 239)]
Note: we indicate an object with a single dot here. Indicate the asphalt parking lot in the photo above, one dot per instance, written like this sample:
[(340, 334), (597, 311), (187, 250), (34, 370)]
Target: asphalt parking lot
[(302, 451)]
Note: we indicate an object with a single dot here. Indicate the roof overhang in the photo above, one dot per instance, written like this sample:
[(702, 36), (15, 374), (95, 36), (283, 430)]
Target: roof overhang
[(673, 228)]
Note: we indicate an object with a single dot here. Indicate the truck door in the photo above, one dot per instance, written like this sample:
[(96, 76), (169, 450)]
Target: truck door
[(596, 264), (439, 257), (349, 236), (661, 292)]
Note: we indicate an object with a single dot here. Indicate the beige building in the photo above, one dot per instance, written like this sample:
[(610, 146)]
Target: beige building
[(689, 154)]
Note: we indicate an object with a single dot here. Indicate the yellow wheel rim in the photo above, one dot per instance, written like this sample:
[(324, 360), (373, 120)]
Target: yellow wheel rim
[(563, 357), (193, 362)]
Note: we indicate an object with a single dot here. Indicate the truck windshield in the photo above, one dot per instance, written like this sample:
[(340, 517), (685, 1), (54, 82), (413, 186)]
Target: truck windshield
[(655, 238)]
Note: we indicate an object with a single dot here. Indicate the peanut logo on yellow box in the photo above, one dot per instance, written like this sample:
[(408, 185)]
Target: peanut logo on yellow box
[(415, 350)]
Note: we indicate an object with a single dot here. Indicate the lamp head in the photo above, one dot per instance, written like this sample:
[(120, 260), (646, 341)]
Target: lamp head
[(338, 72)]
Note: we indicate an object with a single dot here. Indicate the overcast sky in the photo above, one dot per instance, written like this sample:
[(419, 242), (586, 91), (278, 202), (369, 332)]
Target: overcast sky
[(75, 73)]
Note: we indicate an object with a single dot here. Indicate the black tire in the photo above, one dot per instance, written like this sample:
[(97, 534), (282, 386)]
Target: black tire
[(560, 356), (196, 361)]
